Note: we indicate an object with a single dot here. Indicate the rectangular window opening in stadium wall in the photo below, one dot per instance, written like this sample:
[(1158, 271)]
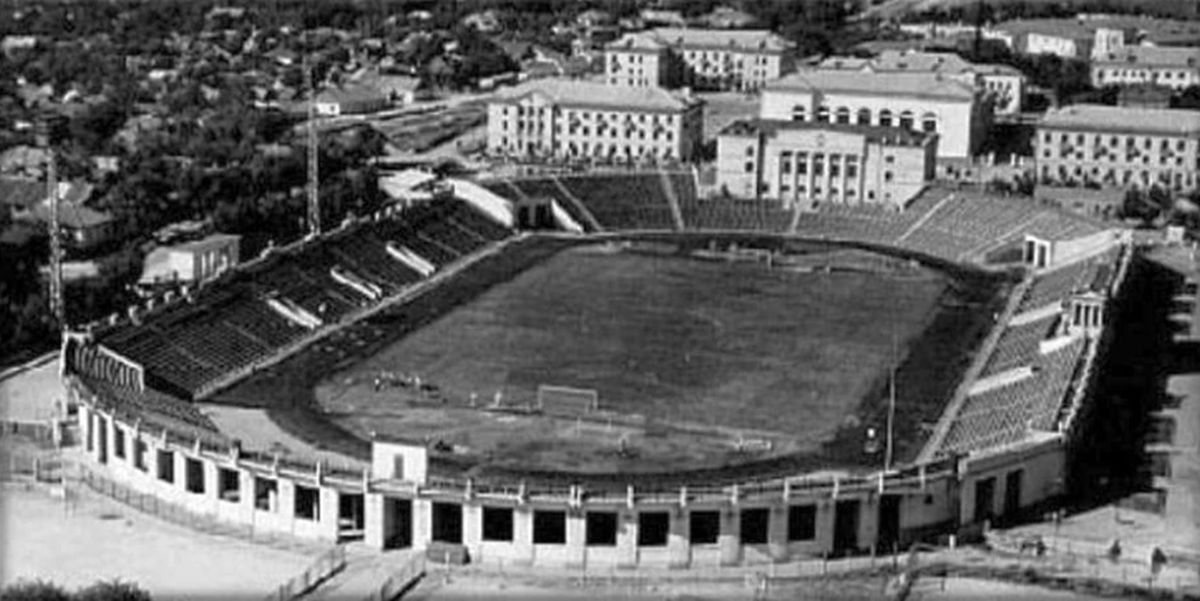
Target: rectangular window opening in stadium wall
[(228, 485), (754, 526), (497, 523), (802, 522), (653, 528), (119, 443), (194, 475), (266, 494), (399, 535), (705, 527), (549, 527), (602, 528), (308, 503), (166, 465), (351, 509), (447, 522), (101, 440), (139, 453)]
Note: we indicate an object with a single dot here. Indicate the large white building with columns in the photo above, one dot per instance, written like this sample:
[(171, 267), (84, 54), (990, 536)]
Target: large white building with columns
[(806, 163), (957, 112)]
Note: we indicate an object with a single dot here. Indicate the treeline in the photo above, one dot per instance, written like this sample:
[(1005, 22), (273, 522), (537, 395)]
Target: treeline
[(40, 590)]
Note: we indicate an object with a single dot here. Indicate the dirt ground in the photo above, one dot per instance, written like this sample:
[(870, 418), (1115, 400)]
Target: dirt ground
[(97, 539)]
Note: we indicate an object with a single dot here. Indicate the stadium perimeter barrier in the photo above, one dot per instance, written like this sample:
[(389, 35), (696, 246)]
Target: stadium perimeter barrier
[(156, 506), (325, 567), (1062, 553), (401, 580)]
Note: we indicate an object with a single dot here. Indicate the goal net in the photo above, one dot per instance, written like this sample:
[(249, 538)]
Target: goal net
[(564, 400)]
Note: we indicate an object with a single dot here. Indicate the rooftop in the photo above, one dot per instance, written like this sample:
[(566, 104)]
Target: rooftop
[(737, 39), (917, 62), (1152, 29), (892, 83), (586, 93), (1096, 117), (896, 135), (1153, 55)]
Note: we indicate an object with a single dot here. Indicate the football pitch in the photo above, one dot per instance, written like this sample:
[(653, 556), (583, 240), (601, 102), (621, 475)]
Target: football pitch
[(732, 345)]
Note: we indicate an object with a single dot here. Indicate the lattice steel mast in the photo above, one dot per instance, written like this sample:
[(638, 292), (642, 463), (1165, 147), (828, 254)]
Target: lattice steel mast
[(314, 166), (57, 302)]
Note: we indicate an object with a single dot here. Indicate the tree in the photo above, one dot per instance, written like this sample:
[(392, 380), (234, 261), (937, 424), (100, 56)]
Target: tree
[(1188, 98), (37, 590), (114, 590)]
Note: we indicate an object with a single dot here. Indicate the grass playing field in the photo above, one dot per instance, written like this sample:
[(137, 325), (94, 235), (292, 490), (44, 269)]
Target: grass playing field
[(794, 354)]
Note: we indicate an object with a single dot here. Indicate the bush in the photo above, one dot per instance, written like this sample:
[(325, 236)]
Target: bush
[(40, 590), (33, 591), (112, 591)]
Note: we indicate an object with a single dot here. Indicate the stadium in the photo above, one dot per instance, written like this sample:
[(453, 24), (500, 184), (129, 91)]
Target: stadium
[(609, 369)]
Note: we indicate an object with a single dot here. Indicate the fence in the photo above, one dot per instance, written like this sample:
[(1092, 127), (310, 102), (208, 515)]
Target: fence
[(1093, 561), (400, 581), (30, 467), (173, 512), (325, 567)]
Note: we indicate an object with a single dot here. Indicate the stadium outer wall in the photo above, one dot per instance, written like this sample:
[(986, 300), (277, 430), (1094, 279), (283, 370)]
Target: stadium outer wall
[(394, 502)]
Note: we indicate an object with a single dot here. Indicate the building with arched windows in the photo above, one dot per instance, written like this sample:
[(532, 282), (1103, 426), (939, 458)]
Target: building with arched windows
[(930, 103), (1004, 85)]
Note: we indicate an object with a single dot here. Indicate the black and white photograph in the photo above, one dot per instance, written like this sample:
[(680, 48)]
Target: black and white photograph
[(624, 300)]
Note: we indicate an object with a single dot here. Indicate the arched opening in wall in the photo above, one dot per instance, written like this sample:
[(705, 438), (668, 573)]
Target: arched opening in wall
[(823, 114), (799, 113), (907, 121), (929, 123), (864, 116), (885, 118), (843, 115), (447, 523)]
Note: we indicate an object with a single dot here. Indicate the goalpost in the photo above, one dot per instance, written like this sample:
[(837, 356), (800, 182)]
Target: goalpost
[(565, 400)]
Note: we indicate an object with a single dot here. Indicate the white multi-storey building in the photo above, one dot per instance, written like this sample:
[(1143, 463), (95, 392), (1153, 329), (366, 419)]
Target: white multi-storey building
[(560, 119), (806, 163), (1119, 146), (700, 58), (926, 102), (1169, 67)]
